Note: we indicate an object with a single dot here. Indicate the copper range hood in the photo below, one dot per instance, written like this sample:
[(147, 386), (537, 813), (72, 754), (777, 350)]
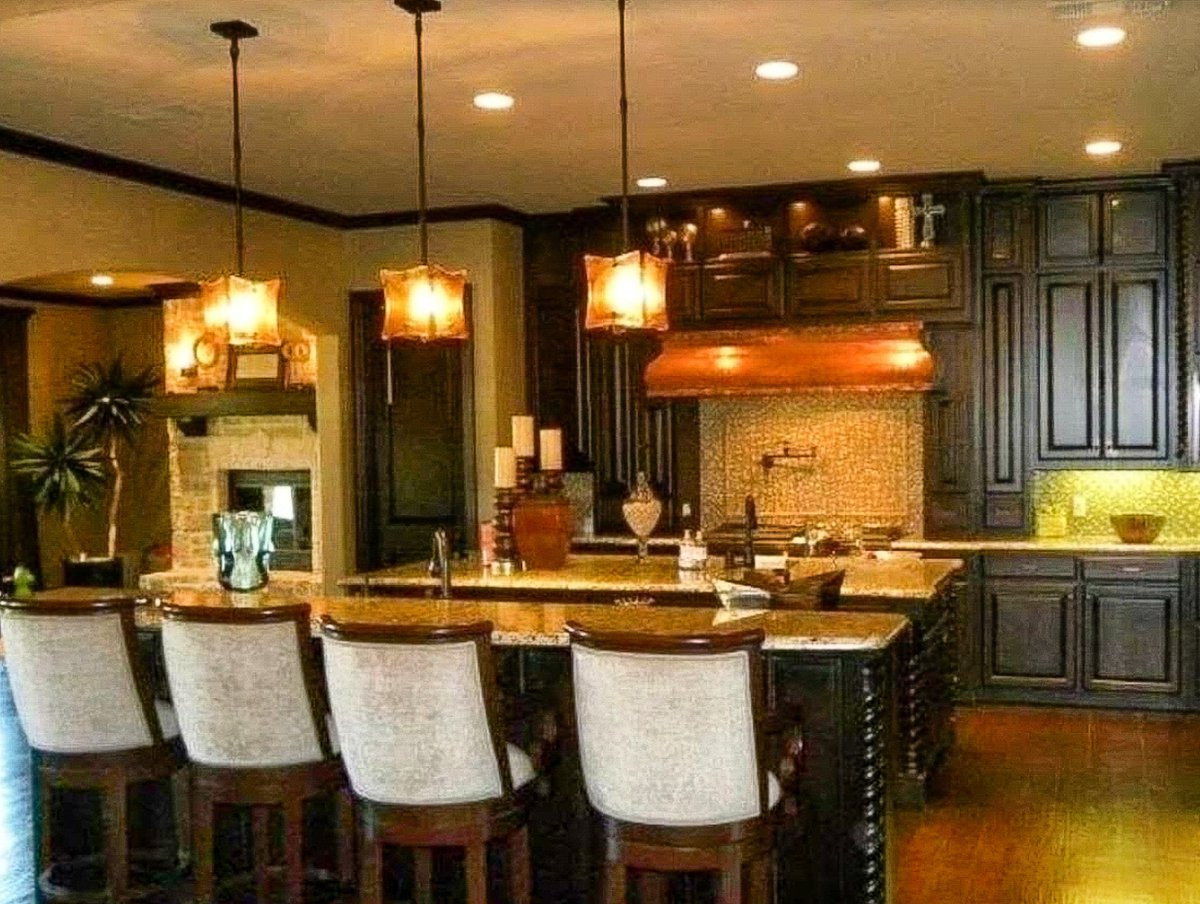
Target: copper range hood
[(876, 357)]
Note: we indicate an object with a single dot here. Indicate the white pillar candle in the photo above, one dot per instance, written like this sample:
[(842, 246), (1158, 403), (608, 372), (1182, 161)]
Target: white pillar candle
[(550, 441), (522, 432), (506, 468)]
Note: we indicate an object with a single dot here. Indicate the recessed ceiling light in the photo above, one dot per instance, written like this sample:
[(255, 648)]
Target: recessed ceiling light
[(1102, 148), (777, 70), (863, 166), (102, 280), (651, 182), (1100, 36), (493, 100)]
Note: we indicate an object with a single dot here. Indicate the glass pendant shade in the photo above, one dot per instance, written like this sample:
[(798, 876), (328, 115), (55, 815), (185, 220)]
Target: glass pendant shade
[(248, 309), (424, 303), (626, 292)]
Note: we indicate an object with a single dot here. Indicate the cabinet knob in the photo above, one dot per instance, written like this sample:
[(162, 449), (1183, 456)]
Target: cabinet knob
[(1131, 569)]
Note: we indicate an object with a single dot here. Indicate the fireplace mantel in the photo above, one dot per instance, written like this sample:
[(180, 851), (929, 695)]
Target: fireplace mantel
[(192, 410)]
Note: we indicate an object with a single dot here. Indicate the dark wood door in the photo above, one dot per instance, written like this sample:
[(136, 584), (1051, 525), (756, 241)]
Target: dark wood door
[(1029, 634), (1003, 402), (1137, 382), (1069, 349), (1131, 637), (1135, 227), (741, 290), (412, 475), (18, 526), (1069, 230)]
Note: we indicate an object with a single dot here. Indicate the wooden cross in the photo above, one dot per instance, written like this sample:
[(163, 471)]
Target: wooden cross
[(927, 211)]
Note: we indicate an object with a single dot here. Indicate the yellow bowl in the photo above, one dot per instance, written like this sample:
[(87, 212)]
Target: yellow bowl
[(1138, 527)]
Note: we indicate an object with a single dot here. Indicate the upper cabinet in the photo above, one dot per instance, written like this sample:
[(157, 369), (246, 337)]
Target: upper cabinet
[(818, 251), (1088, 229)]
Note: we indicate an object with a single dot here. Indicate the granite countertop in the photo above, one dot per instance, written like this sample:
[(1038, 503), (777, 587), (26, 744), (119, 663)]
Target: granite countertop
[(900, 578), (543, 624), (1102, 545)]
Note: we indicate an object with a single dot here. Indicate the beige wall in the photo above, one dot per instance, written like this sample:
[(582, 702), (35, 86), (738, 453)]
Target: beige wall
[(60, 219)]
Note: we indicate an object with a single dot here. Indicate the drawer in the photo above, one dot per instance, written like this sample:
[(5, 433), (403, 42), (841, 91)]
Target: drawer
[(1011, 566), (1131, 568)]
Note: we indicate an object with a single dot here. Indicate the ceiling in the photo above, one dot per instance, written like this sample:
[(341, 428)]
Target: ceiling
[(923, 85)]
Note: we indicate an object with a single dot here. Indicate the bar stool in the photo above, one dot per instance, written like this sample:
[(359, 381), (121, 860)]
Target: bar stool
[(253, 716), (672, 747), (87, 708), (418, 716)]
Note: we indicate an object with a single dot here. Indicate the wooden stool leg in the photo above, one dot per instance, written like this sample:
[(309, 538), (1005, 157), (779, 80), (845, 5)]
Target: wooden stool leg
[(293, 848), (422, 875), (46, 806), (518, 866), (181, 786), (260, 822), (202, 845), (370, 865), (345, 829), (729, 885), (614, 883), (477, 873), (116, 838), (760, 881), (652, 887)]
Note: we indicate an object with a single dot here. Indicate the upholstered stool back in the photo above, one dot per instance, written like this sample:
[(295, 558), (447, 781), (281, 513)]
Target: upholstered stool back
[(245, 686), (76, 681), (668, 726), (416, 712)]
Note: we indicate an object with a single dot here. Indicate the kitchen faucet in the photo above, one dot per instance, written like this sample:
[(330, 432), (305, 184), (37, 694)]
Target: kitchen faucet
[(439, 564)]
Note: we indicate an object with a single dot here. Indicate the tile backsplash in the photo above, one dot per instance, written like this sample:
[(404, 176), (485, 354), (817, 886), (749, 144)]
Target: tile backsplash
[(868, 467), (1175, 494)]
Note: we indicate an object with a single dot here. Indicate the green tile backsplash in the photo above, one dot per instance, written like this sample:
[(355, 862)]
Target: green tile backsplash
[(1175, 494)]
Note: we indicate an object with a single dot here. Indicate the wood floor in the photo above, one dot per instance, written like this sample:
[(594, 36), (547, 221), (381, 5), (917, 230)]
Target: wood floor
[(1038, 806)]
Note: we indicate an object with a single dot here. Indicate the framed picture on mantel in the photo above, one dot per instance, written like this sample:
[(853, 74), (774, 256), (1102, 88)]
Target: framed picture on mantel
[(255, 367)]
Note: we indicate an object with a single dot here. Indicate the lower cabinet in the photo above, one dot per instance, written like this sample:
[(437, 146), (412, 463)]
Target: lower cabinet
[(1102, 631)]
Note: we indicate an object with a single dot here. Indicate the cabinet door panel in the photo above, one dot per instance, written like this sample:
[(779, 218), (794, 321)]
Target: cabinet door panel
[(918, 282), (1029, 634), (745, 290), (1002, 245), (1069, 229), (819, 286), (1068, 368), (1136, 355), (683, 295), (1003, 418), (1131, 639), (1134, 227)]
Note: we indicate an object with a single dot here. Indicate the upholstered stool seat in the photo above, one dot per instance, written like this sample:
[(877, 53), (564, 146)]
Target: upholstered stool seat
[(418, 716), (86, 706), (253, 716), (672, 746)]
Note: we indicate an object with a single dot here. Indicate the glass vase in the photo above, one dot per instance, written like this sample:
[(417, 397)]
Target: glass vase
[(242, 548), (642, 509)]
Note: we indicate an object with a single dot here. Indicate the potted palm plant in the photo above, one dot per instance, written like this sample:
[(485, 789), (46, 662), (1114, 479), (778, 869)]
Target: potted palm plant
[(64, 470), (109, 403)]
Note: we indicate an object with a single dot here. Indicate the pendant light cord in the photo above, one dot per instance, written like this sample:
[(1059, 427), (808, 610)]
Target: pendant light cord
[(422, 227), (239, 236), (624, 139)]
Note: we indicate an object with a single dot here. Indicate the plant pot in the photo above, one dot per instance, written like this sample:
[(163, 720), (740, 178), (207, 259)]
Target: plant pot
[(100, 572)]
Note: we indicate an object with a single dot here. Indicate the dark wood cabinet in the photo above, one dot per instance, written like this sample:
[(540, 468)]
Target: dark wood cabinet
[(1029, 633), (921, 281), (1069, 230), (825, 284), (1068, 344), (1135, 227), (742, 290), (18, 523), (1003, 234), (1003, 402), (950, 469), (683, 295), (1131, 638), (1137, 384)]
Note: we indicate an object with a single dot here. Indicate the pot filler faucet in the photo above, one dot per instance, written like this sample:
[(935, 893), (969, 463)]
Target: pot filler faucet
[(439, 563), (751, 527)]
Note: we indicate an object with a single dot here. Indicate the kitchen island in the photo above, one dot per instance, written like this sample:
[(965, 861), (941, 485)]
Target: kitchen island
[(926, 591), (832, 674)]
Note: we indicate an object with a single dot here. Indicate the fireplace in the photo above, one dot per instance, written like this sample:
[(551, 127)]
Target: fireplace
[(287, 497)]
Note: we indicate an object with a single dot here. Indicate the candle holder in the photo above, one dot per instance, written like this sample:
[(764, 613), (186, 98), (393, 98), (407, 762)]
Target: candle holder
[(526, 468), (553, 481), (506, 546)]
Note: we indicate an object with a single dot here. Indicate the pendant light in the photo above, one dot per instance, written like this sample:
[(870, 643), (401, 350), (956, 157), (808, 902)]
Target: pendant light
[(423, 303), (246, 309), (627, 292)]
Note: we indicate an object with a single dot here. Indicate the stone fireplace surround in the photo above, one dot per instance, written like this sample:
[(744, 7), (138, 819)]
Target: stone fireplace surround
[(199, 480)]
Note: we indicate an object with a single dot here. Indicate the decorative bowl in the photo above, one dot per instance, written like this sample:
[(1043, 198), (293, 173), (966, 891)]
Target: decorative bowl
[(817, 236), (1138, 527), (853, 238)]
